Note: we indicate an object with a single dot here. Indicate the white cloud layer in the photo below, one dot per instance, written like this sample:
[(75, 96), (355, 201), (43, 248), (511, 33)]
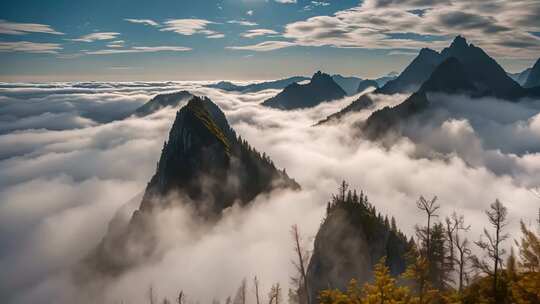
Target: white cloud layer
[(81, 174)]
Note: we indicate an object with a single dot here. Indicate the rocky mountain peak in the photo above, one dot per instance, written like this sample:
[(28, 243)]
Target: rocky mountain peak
[(459, 43)]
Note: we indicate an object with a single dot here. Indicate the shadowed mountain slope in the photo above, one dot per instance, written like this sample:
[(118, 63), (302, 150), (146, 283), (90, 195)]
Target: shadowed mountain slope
[(348, 84), (295, 96), (203, 165), (533, 79), (351, 240), (255, 87)]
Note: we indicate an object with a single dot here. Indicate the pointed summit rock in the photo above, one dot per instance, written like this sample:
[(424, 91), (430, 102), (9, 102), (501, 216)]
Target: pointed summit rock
[(203, 165), (414, 74), (295, 96), (482, 70)]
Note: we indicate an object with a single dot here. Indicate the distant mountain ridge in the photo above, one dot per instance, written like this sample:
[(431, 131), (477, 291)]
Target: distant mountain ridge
[(449, 77), (361, 103), (348, 84), (366, 84), (296, 96), (161, 101), (203, 164), (520, 77), (463, 68), (255, 87), (486, 74), (533, 79)]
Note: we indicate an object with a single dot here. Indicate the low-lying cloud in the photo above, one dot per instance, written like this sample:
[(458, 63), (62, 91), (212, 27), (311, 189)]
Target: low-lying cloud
[(61, 186)]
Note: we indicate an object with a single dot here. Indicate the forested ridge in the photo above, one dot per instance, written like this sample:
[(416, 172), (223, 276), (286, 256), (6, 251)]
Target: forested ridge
[(440, 265)]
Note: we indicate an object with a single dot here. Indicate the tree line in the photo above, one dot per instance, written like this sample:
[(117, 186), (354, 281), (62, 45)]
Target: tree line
[(442, 268)]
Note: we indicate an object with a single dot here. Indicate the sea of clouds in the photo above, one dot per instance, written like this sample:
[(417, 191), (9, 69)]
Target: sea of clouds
[(71, 157)]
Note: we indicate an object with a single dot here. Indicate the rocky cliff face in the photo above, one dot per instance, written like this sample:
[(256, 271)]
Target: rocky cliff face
[(295, 96), (203, 164), (350, 241)]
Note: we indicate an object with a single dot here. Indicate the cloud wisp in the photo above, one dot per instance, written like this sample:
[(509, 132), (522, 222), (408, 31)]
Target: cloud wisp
[(30, 47), (17, 28), (97, 37)]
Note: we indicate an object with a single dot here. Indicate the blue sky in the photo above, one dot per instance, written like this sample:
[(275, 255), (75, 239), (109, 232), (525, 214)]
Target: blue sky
[(249, 39)]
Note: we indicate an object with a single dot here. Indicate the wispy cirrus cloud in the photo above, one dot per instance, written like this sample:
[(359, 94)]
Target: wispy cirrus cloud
[(242, 22), (116, 44), (188, 27), (263, 46), (140, 49), (258, 32), (16, 28), (149, 22), (97, 36), (314, 4), (30, 47)]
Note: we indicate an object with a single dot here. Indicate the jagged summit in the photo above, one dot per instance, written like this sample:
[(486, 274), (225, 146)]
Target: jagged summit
[(484, 72), (459, 42), (202, 146), (204, 165), (414, 74), (295, 96)]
